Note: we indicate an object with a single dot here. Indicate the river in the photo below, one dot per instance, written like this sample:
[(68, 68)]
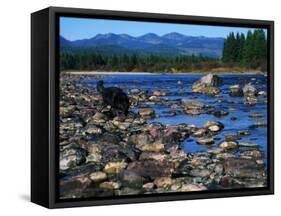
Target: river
[(179, 87)]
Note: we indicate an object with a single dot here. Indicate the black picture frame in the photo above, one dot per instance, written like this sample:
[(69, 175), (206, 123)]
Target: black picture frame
[(44, 105)]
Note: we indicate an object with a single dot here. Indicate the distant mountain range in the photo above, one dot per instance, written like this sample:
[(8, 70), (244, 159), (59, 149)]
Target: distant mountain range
[(168, 44)]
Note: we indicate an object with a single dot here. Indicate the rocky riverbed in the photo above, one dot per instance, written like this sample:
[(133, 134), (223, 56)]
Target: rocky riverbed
[(106, 155)]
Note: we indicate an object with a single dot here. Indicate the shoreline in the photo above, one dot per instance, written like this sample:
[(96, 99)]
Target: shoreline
[(158, 73)]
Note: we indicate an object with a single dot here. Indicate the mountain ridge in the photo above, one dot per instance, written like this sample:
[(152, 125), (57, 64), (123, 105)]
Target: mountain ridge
[(152, 43)]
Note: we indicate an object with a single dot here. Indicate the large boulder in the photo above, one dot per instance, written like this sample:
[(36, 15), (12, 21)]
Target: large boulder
[(249, 90), (210, 80), (208, 85)]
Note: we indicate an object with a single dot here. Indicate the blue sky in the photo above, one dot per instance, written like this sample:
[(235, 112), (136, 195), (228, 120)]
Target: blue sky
[(81, 28)]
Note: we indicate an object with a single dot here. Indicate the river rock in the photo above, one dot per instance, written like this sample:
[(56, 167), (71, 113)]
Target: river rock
[(193, 104), (200, 161), (214, 126), (228, 145), (155, 147), (67, 162), (256, 115), (252, 154), (98, 176), (179, 82), (250, 100), (243, 132), (192, 111), (174, 106), (220, 113), (148, 186), (224, 155), (231, 137), (132, 179), (122, 125), (114, 167), (71, 157), (193, 107), (74, 186), (93, 129), (66, 111), (110, 185), (199, 132), (163, 182), (192, 187), (176, 186), (135, 91), (248, 145), (226, 181), (205, 140), (127, 191), (140, 140), (235, 91), (177, 155), (262, 93), (115, 153), (171, 136), (152, 168), (153, 98), (218, 169), (210, 91), (259, 124), (146, 112), (159, 93), (200, 172), (152, 155), (243, 168), (100, 117)]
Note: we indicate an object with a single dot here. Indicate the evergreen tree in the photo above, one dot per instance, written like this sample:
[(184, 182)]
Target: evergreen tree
[(249, 51), (240, 49)]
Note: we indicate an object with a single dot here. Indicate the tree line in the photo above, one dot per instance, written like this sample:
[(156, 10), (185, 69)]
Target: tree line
[(248, 50), (134, 62)]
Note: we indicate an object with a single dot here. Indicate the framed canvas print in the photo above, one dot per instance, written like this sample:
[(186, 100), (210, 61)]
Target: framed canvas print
[(138, 107)]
